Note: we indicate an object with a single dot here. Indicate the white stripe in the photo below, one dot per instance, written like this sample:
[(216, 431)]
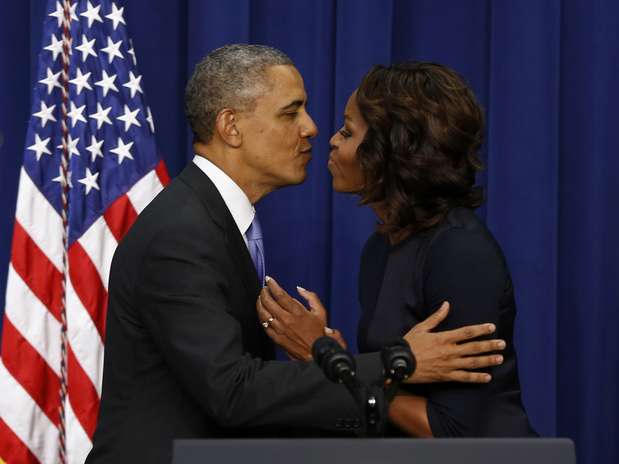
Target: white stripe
[(78, 443), (33, 320), (84, 338), (144, 190), (100, 244), (40, 220), (24, 417)]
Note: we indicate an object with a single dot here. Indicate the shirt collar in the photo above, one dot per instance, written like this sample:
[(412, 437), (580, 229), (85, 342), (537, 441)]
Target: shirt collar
[(236, 201)]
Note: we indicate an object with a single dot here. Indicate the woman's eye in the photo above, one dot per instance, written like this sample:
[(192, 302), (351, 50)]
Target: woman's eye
[(344, 133), (292, 115)]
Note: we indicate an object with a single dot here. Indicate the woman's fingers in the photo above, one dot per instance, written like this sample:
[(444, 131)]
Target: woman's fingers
[(285, 301), (434, 319), (314, 303)]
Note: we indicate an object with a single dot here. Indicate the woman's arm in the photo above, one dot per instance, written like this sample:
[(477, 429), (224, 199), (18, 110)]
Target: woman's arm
[(409, 413)]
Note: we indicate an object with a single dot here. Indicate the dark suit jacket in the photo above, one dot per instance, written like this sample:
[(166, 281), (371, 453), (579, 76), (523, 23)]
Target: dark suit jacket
[(457, 261), (185, 355)]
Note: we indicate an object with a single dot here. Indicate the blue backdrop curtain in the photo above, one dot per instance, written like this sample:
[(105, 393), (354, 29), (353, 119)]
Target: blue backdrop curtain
[(545, 72)]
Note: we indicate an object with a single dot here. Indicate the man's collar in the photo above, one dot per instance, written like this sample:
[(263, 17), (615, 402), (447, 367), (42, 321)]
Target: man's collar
[(235, 199)]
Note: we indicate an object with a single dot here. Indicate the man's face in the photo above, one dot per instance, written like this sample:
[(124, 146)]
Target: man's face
[(276, 146)]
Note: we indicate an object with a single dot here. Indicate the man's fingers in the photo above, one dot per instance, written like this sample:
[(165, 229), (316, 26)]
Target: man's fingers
[(286, 302), (478, 362), (468, 377), (468, 332), (435, 318), (486, 346)]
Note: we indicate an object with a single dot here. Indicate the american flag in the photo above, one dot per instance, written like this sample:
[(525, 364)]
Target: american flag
[(90, 166)]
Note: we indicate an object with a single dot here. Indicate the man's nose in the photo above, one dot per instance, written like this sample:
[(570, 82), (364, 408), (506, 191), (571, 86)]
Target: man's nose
[(309, 128)]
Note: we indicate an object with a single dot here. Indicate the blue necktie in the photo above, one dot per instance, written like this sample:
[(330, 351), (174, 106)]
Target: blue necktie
[(256, 247)]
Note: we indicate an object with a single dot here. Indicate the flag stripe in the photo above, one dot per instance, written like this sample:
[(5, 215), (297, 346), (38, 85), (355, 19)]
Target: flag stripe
[(39, 273), (24, 417), (84, 338), (144, 190), (12, 449), (32, 319), (162, 173), (39, 219), (120, 216), (88, 286), (78, 443), (29, 369), (82, 395), (99, 244)]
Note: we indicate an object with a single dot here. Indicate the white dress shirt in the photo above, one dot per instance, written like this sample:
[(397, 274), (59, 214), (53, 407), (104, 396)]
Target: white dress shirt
[(238, 204)]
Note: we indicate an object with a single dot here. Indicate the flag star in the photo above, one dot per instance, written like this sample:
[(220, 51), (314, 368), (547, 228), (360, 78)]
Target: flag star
[(40, 146), (81, 81), (45, 114), (59, 13), (55, 47), (72, 146), (130, 118), (87, 47), (133, 84), (76, 114), (61, 178), (116, 16), (101, 116), (107, 83), (122, 150), (113, 49), (92, 13), (51, 81), (95, 148), (131, 52), (90, 181), (149, 119)]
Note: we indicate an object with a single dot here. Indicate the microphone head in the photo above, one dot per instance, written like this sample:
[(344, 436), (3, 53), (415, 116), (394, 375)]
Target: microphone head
[(322, 347), (398, 360), (334, 360)]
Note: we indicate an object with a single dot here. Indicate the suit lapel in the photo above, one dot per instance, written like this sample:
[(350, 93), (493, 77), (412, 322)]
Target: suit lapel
[(208, 194)]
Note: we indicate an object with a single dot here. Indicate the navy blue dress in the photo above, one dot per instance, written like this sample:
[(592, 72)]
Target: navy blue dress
[(457, 261)]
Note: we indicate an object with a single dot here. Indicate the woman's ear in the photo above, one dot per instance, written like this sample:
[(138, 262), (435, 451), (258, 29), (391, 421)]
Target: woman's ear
[(227, 128)]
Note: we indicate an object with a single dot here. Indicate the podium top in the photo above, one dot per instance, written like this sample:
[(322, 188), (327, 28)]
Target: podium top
[(373, 451)]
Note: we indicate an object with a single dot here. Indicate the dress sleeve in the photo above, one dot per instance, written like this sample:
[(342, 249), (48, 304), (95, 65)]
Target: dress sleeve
[(466, 269)]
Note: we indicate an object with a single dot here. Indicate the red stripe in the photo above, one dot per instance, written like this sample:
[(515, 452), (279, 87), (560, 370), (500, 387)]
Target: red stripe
[(36, 270), (12, 449), (162, 173), (120, 216), (31, 371), (88, 286), (82, 395)]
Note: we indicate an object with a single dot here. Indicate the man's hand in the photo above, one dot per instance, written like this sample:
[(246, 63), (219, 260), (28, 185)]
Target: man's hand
[(289, 323), (442, 357)]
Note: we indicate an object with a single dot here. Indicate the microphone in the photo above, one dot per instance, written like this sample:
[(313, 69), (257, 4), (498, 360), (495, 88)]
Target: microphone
[(398, 361), (337, 363)]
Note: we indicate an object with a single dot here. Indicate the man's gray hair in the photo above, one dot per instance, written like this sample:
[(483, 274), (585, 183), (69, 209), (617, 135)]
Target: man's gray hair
[(232, 76)]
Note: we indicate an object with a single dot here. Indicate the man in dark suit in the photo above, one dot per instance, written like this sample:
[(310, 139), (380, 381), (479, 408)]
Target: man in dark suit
[(185, 353)]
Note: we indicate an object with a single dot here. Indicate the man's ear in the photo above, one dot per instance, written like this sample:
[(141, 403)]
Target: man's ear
[(226, 127)]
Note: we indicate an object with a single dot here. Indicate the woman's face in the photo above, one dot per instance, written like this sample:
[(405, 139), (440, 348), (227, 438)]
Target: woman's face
[(343, 161)]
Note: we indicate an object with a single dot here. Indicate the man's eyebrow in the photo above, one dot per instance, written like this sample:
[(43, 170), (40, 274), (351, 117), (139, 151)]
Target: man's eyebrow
[(293, 106)]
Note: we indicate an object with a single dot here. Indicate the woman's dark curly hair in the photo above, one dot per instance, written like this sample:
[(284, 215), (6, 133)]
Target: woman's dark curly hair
[(419, 155)]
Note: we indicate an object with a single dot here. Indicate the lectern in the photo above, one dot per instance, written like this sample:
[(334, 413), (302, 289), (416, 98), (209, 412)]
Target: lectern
[(375, 451)]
